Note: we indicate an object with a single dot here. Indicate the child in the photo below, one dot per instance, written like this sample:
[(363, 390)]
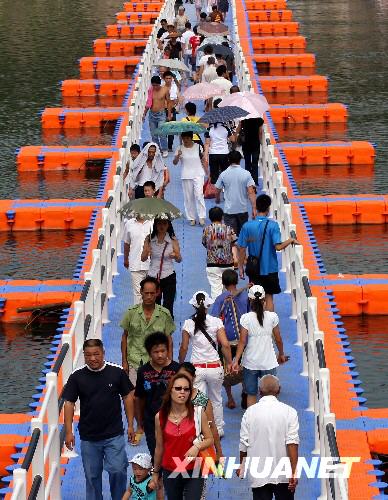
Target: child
[(138, 488)]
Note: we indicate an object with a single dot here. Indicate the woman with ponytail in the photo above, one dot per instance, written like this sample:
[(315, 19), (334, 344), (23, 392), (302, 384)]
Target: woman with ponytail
[(258, 327), (205, 333)]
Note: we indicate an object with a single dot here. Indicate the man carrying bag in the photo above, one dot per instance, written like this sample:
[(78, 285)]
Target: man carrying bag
[(263, 239)]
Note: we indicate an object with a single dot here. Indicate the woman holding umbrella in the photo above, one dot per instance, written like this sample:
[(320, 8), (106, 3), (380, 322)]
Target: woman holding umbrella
[(193, 172), (162, 247)]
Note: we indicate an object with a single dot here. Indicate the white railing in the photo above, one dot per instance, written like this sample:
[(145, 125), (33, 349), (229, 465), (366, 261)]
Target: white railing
[(90, 312), (304, 305)]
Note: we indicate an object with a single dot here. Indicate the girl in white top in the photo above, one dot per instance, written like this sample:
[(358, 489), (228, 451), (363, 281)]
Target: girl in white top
[(258, 327), (192, 175), (162, 247), (204, 332)]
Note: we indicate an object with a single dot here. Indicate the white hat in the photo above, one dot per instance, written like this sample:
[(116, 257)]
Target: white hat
[(143, 460), (207, 302), (256, 292)]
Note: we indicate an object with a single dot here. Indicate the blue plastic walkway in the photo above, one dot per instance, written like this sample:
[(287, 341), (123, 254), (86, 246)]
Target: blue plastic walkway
[(191, 276)]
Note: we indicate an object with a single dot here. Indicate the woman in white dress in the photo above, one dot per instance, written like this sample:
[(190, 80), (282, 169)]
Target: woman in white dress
[(257, 330), (193, 173), (205, 332)]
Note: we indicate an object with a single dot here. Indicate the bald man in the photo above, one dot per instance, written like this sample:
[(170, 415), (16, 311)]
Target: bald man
[(269, 429)]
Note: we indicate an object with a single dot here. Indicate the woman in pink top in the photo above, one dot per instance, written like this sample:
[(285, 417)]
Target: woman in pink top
[(176, 437)]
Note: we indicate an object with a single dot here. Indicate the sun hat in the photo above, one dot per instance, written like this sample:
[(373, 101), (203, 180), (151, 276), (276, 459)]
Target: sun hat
[(208, 301), (142, 459), (256, 292)]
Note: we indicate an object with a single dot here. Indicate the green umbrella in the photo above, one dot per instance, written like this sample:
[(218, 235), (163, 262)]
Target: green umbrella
[(150, 208), (176, 128)]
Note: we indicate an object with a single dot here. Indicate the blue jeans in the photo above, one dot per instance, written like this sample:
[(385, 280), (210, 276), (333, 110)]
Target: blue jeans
[(251, 379), (108, 454), (155, 120)]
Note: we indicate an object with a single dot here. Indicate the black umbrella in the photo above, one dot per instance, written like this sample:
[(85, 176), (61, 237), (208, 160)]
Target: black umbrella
[(223, 115), (222, 50)]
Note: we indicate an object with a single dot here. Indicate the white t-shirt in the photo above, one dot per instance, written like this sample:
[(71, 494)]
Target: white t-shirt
[(224, 83), (204, 59), (191, 162), (202, 351), (185, 40), (259, 352), (209, 73), (174, 91), (218, 140), (135, 233)]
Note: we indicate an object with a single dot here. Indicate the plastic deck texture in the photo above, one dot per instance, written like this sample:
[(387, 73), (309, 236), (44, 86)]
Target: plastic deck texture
[(191, 276)]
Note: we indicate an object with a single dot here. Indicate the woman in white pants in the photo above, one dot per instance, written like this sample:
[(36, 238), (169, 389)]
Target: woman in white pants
[(193, 173), (205, 332)]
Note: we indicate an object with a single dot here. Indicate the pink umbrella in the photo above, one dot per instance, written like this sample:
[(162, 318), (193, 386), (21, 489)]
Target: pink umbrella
[(202, 91), (255, 104)]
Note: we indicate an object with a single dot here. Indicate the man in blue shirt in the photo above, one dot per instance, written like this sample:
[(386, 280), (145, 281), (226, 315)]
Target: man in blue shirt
[(262, 238), (239, 192)]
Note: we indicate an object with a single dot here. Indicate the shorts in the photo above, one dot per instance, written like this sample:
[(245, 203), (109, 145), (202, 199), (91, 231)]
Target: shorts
[(270, 283), (251, 379)]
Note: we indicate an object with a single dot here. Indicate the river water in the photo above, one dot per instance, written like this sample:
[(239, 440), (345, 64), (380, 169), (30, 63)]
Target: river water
[(350, 41), (41, 42)]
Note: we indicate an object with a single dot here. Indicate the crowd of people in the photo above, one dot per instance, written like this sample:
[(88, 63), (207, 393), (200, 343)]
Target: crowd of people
[(233, 334)]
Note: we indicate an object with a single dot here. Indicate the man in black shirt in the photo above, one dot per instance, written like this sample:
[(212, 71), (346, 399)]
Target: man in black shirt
[(163, 29), (250, 143), (100, 387), (151, 384)]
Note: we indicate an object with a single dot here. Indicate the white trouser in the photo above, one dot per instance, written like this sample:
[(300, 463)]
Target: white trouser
[(209, 381), (136, 278), (193, 198), (214, 276)]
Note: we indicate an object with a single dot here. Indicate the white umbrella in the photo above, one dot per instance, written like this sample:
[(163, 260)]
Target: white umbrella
[(255, 104)]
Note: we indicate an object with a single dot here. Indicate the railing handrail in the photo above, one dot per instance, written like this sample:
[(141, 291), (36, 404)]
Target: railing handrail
[(304, 304)]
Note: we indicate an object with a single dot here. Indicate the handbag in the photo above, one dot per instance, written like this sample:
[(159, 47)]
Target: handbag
[(208, 455), (209, 189), (252, 268)]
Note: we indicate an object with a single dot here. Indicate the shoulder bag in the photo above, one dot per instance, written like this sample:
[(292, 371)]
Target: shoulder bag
[(253, 263), (158, 276), (208, 456)]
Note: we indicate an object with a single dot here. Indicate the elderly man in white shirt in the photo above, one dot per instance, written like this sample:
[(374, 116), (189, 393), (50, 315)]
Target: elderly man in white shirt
[(135, 232), (269, 433)]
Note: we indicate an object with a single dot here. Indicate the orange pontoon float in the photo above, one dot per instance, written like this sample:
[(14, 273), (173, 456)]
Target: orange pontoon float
[(265, 4), (143, 6), (285, 60), (273, 28), (34, 158), (108, 64), (114, 47), (278, 44), (293, 84), (330, 153), (129, 31), (79, 117), (270, 15), (82, 88), (137, 17), (307, 113)]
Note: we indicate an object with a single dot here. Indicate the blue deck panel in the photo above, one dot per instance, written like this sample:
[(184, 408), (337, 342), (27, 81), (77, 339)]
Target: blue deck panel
[(191, 276)]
